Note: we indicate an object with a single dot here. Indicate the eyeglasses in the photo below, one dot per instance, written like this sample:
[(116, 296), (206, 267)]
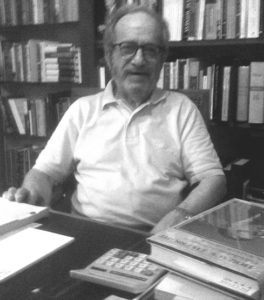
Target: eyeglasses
[(129, 50)]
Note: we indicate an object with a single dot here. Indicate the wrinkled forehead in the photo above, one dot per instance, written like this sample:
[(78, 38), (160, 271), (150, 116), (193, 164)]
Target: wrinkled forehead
[(139, 26)]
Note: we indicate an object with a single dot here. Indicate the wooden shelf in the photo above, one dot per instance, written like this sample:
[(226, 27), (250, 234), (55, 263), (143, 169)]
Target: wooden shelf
[(243, 50)]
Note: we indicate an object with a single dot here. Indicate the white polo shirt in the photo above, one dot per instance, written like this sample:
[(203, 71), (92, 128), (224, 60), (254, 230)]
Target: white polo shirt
[(131, 166)]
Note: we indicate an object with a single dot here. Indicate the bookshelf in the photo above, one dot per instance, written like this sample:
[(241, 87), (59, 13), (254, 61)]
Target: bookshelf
[(232, 139), (71, 22)]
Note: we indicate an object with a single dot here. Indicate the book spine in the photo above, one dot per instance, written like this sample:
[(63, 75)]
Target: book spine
[(200, 20), (224, 18), (243, 18), (166, 76), (225, 93), (173, 13), (253, 27), (2, 13), (256, 93), (186, 19), (237, 18), (231, 19), (41, 117), (242, 94), (192, 26), (210, 23)]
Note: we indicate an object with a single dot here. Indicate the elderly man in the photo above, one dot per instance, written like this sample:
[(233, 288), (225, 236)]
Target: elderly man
[(135, 150)]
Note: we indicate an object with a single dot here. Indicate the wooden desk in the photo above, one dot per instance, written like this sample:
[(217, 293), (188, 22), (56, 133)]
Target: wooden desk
[(49, 279)]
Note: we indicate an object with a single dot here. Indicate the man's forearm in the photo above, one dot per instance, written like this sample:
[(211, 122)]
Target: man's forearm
[(208, 193)]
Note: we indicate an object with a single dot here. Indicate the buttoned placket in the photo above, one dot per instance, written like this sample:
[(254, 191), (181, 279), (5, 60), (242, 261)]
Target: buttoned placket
[(131, 136)]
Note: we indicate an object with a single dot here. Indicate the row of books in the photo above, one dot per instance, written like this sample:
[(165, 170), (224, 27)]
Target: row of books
[(18, 161), (24, 12), (237, 91), (36, 117), (40, 61), (185, 73), (213, 19), (243, 83)]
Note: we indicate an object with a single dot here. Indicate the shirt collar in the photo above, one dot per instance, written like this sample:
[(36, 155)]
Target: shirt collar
[(109, 98)]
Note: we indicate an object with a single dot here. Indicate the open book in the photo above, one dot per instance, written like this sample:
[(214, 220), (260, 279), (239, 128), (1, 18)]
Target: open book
[(14, 215)]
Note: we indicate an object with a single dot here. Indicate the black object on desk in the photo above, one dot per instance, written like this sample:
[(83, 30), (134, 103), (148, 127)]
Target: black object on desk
[(49, 278)]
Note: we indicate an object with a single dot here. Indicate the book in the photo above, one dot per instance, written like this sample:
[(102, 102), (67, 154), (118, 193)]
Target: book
[(26, 247), (222, 246), (225, 93), (56, 105), (18, 107), (193, 65), (33, 60), (7, 60), (243, 19), (173, 13), (186, 19), (166, 75), (230, 19), (253, 19), (256, 93), (175, 286), (41, 117), (191, 20), (8, 118), (14, 215), (211, 19), (216, 92), (182, 62), (200, 19), (229, 92), (242, 94), (224, 19)]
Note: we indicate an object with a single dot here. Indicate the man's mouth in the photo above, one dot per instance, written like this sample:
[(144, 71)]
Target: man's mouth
[(138, 74)]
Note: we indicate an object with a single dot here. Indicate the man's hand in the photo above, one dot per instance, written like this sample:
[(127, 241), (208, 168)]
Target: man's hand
[(23, 195), (172, 218)]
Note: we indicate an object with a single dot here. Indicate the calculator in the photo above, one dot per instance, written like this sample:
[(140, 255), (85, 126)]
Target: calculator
[(121, 269)]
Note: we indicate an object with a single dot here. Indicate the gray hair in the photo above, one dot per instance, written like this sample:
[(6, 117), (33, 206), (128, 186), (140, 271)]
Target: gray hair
[(116, 15)]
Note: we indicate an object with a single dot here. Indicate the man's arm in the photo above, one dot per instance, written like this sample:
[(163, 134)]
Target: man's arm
[(208, 193), (36, 189)]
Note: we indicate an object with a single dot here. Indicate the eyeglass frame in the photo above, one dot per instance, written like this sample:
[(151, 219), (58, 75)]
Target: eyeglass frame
[(160, 50)]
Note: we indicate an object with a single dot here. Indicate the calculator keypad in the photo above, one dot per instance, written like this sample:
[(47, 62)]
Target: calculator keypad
[(121, 269), (125, 261)]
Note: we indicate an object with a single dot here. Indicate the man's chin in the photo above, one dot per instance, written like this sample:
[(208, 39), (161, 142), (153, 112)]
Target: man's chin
[(139, 91), (138, 82)]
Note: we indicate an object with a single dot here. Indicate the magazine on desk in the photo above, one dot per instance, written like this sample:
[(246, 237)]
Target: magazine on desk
[(223, 246), (14, 215)]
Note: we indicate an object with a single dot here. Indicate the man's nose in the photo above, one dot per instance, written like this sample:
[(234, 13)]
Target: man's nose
[(139, 57)]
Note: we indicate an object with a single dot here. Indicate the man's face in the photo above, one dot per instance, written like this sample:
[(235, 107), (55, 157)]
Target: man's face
[(136, 75)]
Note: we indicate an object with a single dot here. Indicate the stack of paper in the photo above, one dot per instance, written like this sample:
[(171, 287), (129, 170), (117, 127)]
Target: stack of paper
[(25, 247), (14, 215)]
